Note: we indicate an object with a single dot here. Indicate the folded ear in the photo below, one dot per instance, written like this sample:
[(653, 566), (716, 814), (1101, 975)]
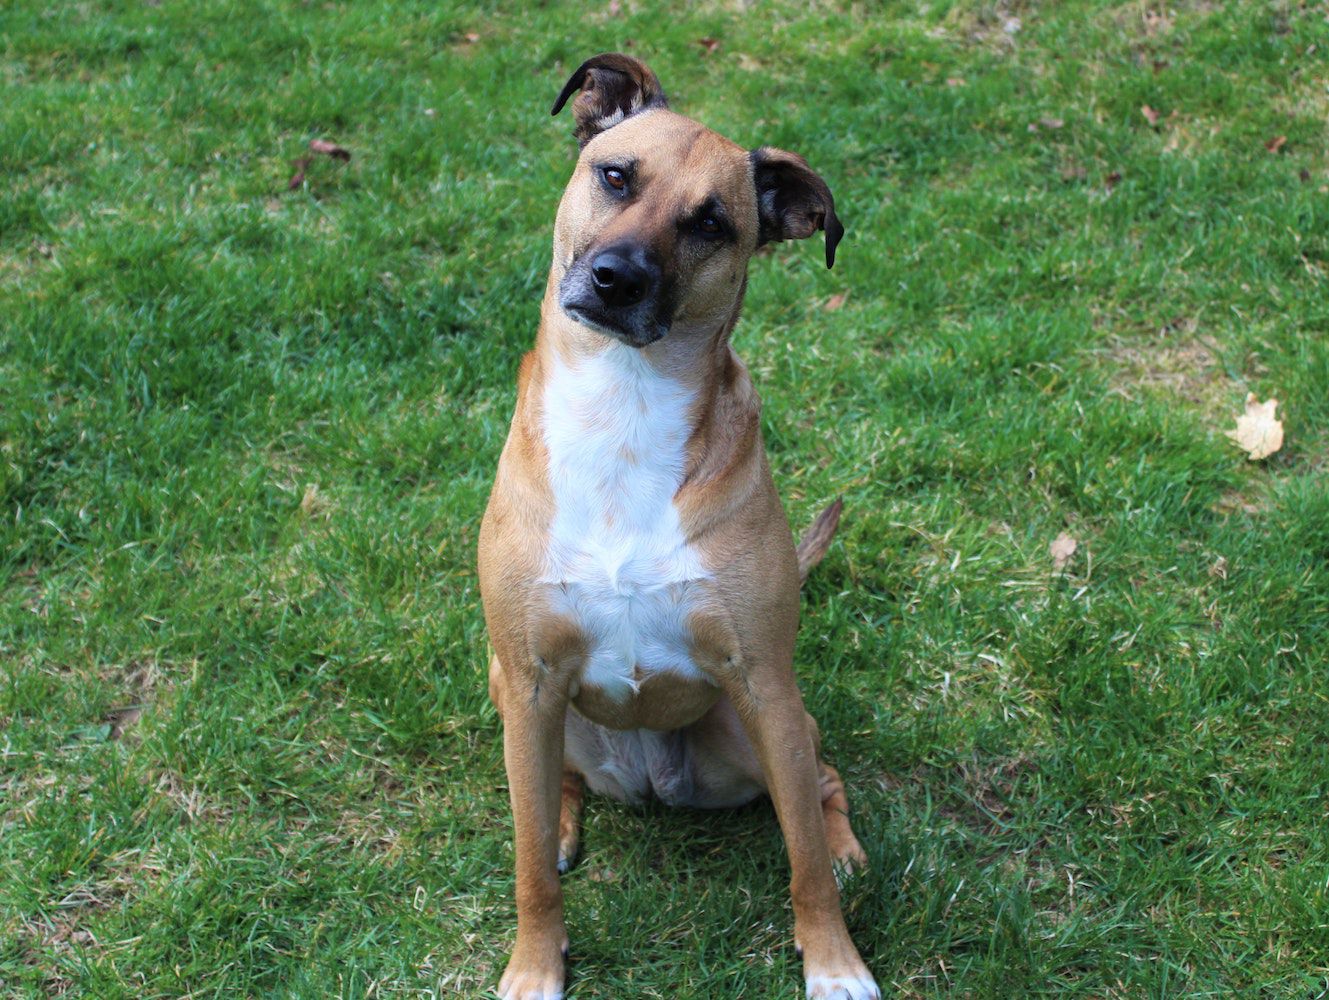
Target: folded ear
[(792, 201), (613, 87)]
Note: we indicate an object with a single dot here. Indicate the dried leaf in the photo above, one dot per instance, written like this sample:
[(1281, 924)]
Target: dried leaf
[(1276, 143), (299, 177), (1150, 114), (1305, 175), (122, 719), (1219, 568), (1258, 433), (1051, 123), (470, 38), (836, 301), (709, 44), (1112, 179), (1061, 550), (328, 149)]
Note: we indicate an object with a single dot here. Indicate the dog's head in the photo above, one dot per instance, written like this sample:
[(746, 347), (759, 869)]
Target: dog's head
[(661, 216)]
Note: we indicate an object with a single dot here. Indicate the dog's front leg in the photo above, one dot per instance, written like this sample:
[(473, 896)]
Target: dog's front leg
[(771, 709), (534, 707)]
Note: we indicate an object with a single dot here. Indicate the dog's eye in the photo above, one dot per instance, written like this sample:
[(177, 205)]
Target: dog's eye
[(615, 178), (710, 227)]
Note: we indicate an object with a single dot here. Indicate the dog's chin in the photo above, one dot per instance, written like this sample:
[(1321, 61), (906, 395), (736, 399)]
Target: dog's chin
[(595, 320)]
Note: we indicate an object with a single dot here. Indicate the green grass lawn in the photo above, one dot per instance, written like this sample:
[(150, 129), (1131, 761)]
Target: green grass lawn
[(246, 435)]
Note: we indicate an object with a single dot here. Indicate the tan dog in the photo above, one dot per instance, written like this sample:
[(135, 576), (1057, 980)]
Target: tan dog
[(639, 579)]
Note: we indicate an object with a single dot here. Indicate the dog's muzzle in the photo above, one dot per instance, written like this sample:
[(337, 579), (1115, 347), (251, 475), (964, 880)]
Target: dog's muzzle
[(616, 291)]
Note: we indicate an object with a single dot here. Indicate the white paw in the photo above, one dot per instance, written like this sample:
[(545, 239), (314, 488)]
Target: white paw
[(845, 871), (532, 983), (527, 991), (842, 988)]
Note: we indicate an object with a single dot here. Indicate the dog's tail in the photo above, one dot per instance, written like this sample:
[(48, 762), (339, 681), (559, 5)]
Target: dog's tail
[(817, 539)]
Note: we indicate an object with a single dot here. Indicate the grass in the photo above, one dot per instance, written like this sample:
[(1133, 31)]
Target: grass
[(247, 433)]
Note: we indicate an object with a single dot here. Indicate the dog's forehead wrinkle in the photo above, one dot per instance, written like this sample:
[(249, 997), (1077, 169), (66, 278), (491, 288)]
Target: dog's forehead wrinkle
[(664, 136)]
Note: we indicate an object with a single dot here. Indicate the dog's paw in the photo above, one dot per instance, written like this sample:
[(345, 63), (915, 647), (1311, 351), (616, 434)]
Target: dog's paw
[(860, 986), (567, 855), (531, 985), (849, 866), (847, 857), (534, 978)]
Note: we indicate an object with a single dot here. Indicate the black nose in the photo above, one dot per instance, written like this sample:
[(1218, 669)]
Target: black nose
[(621, 277)]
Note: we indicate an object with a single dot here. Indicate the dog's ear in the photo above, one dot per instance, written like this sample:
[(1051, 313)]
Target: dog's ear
[(792, 201), (613, 87)]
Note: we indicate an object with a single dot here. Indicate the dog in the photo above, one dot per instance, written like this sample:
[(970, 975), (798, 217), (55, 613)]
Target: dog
[(639, 579)]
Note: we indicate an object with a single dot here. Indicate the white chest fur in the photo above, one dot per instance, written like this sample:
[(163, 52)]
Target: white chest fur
[(616, 433)]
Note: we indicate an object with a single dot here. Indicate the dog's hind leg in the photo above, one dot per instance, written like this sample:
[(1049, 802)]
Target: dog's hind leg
[(846, 852), (728, 774), (569, 819)]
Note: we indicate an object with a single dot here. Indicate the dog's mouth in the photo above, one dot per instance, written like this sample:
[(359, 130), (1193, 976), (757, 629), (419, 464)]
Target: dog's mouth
[(635, 334)]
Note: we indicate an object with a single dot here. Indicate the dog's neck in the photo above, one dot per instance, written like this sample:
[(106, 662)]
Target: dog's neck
[(719, 405), (698, 358)]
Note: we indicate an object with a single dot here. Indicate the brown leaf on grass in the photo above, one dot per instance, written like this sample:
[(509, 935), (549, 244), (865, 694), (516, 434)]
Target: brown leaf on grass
[(1219, 568), (1276, 143), (470, 38), (1305, 175), (328, 149), (298, 177), (311, 500), (1112, 179), (321, 147), (1258, 432), (1061, 550), (121, 719), (1150, 114), (709, 44), (836, 301)]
